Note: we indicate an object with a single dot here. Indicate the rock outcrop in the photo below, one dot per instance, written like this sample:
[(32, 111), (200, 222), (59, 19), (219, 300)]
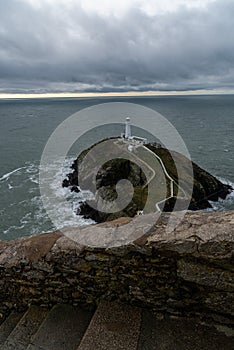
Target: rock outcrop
[(204, 186)]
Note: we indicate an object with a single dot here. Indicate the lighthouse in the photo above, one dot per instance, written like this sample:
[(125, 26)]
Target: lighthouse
[(127, 128), (127, 135)]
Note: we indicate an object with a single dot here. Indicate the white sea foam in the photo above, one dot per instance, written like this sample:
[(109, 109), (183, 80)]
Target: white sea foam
[(13, 228), (64, 218), (34, 217), (34, 179), (224, 204), (7, 175)]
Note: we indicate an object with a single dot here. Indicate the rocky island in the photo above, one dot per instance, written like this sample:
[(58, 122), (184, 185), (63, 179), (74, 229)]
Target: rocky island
[(165, 190)]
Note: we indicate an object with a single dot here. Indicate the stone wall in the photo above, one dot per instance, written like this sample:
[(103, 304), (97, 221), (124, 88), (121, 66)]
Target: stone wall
[(187, 272)]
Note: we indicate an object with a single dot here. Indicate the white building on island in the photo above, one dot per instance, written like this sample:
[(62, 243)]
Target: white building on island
[(128, 134)]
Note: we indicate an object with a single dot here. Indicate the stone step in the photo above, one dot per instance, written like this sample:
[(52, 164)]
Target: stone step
[(27, 326), (62, 329), (8, 325), (114, 326), (180, 334)]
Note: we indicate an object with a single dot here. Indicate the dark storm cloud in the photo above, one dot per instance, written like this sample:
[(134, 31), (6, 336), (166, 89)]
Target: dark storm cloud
[(61, 48)]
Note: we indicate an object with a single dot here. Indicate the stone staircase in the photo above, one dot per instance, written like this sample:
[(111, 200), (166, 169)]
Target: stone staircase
[(112, 326)]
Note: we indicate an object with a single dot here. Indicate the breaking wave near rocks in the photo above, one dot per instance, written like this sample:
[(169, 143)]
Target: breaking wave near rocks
[(21, 209)]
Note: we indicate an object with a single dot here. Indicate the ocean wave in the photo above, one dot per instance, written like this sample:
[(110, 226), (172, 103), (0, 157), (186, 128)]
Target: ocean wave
[(7, 175), (224, 204), (12, 228), (29, 214), (63, 215)]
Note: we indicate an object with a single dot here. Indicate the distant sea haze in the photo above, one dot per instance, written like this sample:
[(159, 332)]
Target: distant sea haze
[(206, 124)]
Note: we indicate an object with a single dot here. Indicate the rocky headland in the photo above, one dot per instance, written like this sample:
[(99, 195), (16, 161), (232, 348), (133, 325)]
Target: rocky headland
[(205, 187)]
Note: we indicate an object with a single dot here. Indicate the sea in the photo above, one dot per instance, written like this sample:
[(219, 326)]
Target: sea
[(205, 122)]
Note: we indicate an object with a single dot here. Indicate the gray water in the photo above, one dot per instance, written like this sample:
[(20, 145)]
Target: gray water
[(206, 123)]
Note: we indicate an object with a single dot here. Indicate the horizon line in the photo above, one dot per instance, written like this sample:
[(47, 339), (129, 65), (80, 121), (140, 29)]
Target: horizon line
[(114, 94)]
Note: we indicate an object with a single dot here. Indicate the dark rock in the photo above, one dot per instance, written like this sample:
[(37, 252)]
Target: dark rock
[(66, 183), (182, 204), (75, 189), (87, 211), (72, 178)]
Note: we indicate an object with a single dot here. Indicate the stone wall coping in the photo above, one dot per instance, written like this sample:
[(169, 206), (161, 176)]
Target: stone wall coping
[(200, 234)]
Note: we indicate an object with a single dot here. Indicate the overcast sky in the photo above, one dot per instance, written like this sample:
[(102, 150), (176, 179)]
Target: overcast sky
[(116, 45)]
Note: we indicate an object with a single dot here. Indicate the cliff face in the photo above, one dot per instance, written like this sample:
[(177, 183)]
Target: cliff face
[(205, 186), (189, 272)]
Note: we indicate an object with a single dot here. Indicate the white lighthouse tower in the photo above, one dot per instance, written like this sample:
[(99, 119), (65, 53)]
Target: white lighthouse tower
[(128, 133)]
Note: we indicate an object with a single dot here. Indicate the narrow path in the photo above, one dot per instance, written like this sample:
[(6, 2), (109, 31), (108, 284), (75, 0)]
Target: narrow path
[(139, 160), (172, 181), (164, 169)]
